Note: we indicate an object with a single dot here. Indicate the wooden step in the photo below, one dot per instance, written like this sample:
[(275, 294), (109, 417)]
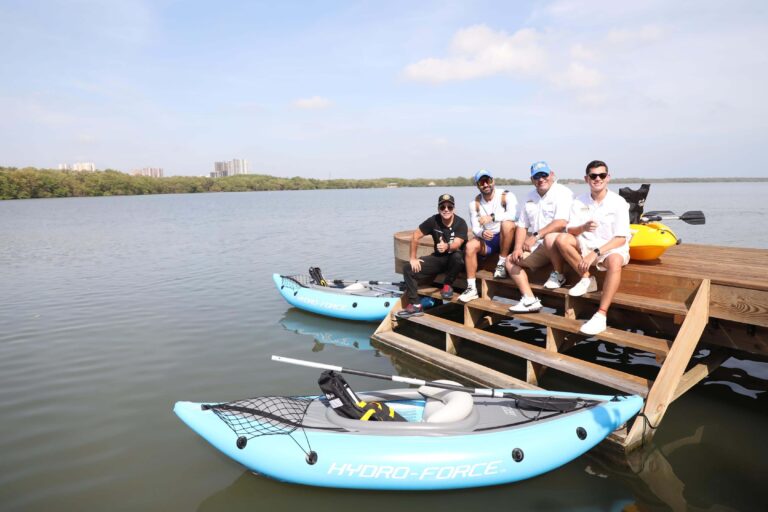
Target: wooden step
[(570, 365), (624, 297), (657, 346), (466, 371)]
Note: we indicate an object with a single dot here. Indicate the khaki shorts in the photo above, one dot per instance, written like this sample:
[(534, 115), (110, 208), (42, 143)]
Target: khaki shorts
[(621, 251), (536, 259)]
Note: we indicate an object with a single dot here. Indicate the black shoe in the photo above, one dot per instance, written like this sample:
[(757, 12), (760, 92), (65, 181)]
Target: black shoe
[(447, 292)]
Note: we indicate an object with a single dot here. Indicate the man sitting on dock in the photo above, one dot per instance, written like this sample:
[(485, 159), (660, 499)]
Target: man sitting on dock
[(449, 234), (597, 234), (543, 218), (492, 215)]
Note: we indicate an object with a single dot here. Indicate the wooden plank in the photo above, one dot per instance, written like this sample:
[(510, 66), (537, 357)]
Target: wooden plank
[(462, 369), (637, 299), (656, 346), (739, 304), (700, 371), (571, 365), (664, 388)]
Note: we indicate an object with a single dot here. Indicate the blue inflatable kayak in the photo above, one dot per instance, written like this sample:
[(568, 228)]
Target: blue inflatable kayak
[(450, 440), (350, 300)]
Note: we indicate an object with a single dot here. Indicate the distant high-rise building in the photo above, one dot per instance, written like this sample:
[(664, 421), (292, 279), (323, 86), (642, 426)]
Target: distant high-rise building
[(154, 172), (231, 168), (78, 166)]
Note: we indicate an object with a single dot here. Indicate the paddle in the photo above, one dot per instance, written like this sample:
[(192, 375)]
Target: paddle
[(559, 404), (695, 217), (343, 281)]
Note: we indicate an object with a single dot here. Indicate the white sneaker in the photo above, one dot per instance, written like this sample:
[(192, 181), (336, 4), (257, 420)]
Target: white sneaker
[(585, 285), (594, 325), (526, 305), (469, 294), (500, 272), (556, 280)]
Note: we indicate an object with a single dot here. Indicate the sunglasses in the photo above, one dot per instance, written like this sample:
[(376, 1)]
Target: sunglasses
[(540, 176), (446, 206), (602, 176), (484, 181)]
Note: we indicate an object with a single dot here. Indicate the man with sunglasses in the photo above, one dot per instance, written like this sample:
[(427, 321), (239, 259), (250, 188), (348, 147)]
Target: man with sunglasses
[(543, 218), (597, 234), (492, 216), (449, 234)]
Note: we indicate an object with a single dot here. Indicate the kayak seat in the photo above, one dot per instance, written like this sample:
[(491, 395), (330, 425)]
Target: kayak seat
[(355, 287), (445, 405)]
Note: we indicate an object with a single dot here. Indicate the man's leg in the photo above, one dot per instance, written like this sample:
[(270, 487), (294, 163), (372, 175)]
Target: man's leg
[(453, 265), (612, 264), (475, 248), (553, 253), (430, 265), (506, 237), (598, 322), (570, 250)]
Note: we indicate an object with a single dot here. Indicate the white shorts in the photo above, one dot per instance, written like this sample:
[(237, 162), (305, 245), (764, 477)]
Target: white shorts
[(621, 251)]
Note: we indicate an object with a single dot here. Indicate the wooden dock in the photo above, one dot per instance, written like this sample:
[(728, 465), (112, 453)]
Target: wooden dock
[(689, 311)]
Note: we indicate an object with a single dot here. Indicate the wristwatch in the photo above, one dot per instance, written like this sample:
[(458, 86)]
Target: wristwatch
[(535, 235), (597, 251), (493, 217)]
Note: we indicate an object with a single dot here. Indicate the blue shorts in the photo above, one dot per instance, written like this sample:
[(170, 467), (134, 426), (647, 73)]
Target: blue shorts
[(493, 245)]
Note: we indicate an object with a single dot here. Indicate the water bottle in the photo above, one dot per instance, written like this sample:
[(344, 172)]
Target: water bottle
[(427, 302)]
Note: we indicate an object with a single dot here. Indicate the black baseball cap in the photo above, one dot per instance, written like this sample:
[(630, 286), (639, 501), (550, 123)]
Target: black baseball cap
[(446, 198)]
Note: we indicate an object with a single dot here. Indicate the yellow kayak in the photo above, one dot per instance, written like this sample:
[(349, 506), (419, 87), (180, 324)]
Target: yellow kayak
[(649, 241)]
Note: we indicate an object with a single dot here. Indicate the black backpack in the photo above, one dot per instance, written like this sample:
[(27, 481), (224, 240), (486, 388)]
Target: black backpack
[(636, 200), (348, 405)]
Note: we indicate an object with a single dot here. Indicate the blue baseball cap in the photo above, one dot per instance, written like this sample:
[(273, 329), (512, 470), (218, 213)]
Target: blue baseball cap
[(480, 174), (538, 167)]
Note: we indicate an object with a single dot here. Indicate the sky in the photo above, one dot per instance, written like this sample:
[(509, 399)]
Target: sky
[(369, 89)]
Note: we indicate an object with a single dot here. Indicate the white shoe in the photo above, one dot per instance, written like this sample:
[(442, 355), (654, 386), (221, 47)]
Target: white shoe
[(594, 325), (556, 280), (585, 285), (469, 294), (500, 272), (526, 305)]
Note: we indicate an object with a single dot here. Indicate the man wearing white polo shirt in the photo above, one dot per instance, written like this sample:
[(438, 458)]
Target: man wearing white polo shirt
[(543, 218), (597, 234)]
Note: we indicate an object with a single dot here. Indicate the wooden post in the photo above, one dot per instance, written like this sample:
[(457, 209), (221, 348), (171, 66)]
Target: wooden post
[(555, 342), (666, 384), (452, 343)]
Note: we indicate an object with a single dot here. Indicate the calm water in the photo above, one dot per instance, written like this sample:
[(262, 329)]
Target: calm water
[(112, 309)]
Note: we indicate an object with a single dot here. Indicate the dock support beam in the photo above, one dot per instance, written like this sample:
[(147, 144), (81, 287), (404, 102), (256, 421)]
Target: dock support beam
[(665, 386)]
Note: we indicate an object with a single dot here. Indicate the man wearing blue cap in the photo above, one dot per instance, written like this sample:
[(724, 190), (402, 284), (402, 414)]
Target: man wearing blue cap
[(492, 217), (543, 218)]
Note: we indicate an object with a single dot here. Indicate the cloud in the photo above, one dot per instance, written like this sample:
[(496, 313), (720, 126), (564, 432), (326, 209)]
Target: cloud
[(477, 52), (313, 103)]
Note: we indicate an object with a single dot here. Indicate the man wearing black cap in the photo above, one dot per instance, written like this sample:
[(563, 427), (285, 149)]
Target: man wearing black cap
[(449, 234)]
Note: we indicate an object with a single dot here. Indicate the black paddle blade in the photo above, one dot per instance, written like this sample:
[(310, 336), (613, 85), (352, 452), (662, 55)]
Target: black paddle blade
[(694, 217)]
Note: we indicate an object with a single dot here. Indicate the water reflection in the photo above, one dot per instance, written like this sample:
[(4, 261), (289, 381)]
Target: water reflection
[(328, 330)]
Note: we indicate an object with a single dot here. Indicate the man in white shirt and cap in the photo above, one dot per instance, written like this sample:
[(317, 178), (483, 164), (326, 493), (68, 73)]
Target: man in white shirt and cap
[(492, 217), (597, 235), (543, 218)]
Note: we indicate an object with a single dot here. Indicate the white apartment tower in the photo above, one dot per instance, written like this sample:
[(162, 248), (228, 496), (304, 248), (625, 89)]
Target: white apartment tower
[(231, 168)]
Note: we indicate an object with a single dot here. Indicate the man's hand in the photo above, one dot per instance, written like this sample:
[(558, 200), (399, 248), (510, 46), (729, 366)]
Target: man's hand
[(587, 262), (529, 242), (516, 257), (485, 219), (487, 235), (590, 226), (416, 264)]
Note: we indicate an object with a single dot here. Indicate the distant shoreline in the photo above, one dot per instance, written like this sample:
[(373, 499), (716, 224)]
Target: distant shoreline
[(31, 183)]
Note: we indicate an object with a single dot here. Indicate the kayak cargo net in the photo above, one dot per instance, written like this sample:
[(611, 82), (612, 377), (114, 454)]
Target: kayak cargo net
[(263, 415)]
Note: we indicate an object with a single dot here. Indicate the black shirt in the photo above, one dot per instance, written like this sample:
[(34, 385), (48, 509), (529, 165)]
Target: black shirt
[(434, 226)]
